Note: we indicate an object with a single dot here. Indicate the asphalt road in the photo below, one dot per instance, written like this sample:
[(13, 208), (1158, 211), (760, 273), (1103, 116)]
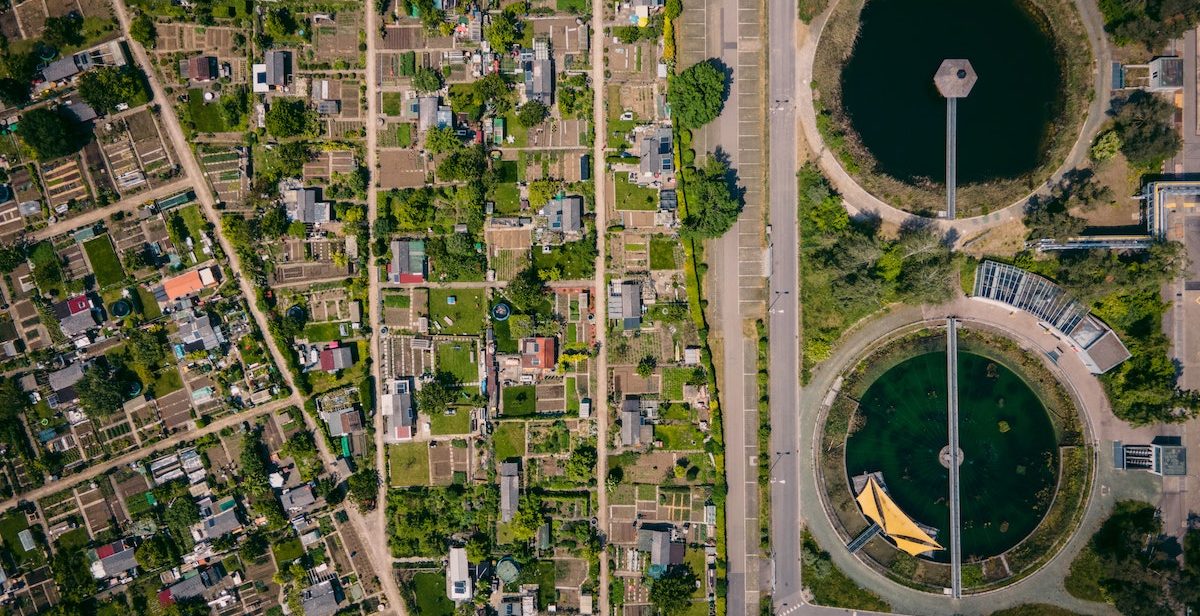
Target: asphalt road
[(783, 300)]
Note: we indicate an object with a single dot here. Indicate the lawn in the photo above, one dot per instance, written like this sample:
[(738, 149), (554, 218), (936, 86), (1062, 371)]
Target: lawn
[(150, 309), (679, 437), (507, 197), (397, 135), (166, 382), (673, 380), (575, 7), (429, 595), (206, 118), (519, 134), (458, 423), (397, 300), (105, 263), (324, 331), (571, 394), (466, 313), (662, 253), (509, 439), (393, 103), (505, 343), (458, 358), (194, 221), (634, 197), (408, 464), (519, 400), (47, 269), (10, 526), (573, 260), (287, 551)]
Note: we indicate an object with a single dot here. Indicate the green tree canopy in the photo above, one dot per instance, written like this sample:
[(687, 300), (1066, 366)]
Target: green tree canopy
[(581, 466), (143, 30), (435, 395), (527, 289), (712, 208), (51, 133), (290, 117), (532, 113), (1150, 23), (505, 30), (672, 592), (145, 347), (1144, 123), (63, 32), (100, 392), (698, 94), (427, 80), (442, 139), (13, 92), (157, 552), (364, 488), (292, 157)]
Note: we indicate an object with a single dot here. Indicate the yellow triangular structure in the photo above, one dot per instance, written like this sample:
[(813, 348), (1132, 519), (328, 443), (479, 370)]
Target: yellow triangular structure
[(882, 510)]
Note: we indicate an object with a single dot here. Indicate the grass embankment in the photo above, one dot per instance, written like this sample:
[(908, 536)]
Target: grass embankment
[(1056, 17)]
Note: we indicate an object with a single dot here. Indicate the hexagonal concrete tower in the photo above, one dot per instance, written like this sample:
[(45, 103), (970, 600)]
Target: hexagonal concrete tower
[(955, 78)]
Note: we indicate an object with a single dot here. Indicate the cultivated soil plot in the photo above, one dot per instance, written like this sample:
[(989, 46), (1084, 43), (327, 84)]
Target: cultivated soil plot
[(9, 27), (32, 16), (122, 161), (154, 154), (183, 37), (175, 409), (64, 181), (337, 40), (75, 267), (401, 169), (409, 361), (329, 162), (223, 166), (345, 129), (400, 38)]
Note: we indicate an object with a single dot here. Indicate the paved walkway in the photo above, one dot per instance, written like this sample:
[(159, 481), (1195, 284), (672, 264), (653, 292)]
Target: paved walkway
[(859, 201), (1045, 585)]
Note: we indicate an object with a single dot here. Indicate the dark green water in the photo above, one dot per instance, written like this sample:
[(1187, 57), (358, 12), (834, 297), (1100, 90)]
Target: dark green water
[(888, 91), (1007, 477)]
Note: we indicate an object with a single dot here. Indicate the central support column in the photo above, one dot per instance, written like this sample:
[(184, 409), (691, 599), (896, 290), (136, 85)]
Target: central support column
[(952, 426)]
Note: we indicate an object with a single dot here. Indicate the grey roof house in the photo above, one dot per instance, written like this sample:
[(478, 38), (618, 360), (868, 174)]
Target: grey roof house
[(625, 303), (510, 490), (320, 599), (305, 205), (398, 414), (656, 155), (279, 67), (197, 331), (564, 213), (298, 499)]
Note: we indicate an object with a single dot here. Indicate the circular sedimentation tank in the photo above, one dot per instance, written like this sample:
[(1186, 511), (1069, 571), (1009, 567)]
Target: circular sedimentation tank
[(889, 96), (1009, 465)]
